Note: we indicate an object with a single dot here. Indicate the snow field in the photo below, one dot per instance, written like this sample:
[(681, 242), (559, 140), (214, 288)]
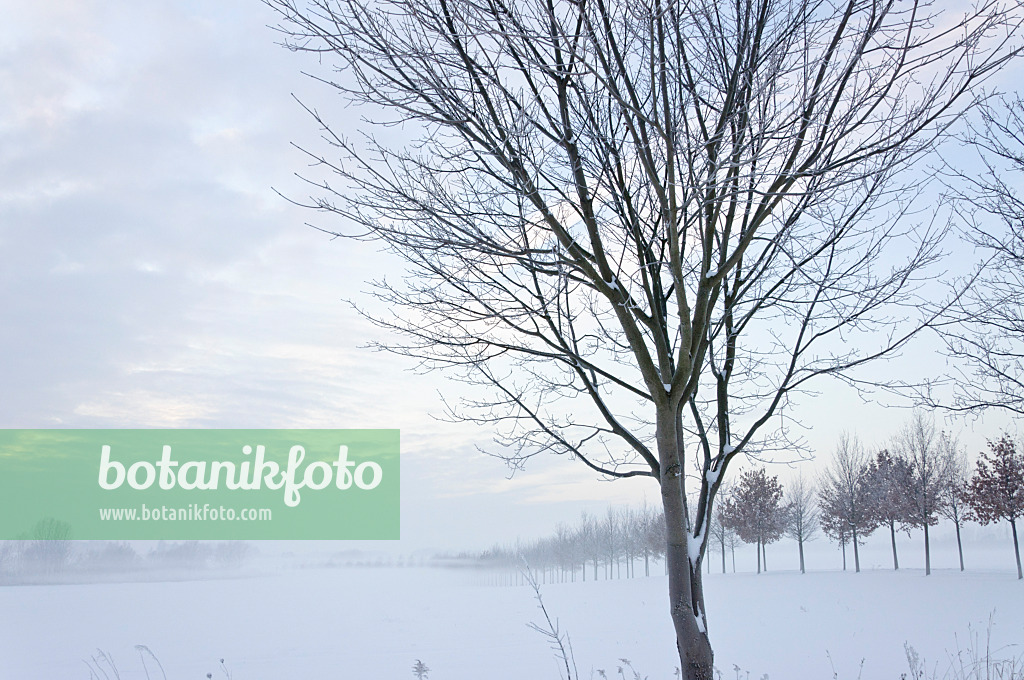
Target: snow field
[(374, 623)]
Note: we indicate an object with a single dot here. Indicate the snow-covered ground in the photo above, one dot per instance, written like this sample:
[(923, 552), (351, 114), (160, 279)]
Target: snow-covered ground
[(375, 622)]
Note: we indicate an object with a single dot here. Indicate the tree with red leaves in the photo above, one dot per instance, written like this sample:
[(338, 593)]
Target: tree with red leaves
[(996, 491), (889, 479), (754, 510)]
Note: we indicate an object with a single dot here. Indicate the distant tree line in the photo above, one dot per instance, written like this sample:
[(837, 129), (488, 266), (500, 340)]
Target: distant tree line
[(920, 476), (47, 552), (594, 548)]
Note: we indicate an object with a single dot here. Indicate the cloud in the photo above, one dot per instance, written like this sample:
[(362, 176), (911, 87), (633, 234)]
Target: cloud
[(152, 275)]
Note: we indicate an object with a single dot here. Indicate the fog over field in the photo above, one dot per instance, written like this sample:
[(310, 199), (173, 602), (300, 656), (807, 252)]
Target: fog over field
[(318, 621)]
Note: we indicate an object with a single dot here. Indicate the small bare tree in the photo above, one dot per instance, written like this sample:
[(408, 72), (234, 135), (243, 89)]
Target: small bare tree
[(47, 548), (586, 532), (610, 532), (420, 670), (953, 504), (844, 497), (929, 456), (801, 514), (649, 534), (721, 532), (634, 220)]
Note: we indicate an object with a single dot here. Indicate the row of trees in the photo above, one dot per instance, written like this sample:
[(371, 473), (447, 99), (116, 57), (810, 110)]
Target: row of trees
[(925, 476), (47, 551), (601, 546), (922, 476)]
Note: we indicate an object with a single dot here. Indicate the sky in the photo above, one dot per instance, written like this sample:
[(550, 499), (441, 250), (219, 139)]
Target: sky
[(155, 277)]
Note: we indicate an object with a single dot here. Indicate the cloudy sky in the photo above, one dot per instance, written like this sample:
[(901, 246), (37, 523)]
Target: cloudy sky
[(152, 276)]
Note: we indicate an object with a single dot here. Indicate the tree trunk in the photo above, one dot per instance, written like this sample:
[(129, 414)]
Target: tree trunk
[(927, 551), (732, 549), (959, 545), (759, 557), (856, 552), (686, 595), (1016, 546), (800, 544), (764, 555), (844, 555), (723, 555), (892, 533)]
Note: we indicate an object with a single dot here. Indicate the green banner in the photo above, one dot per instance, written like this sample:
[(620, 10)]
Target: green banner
[(199, 484)]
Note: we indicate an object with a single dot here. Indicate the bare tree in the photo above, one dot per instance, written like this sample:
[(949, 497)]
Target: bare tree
[(635, 220), (732, 540), (844, 497), (721, 531), (564, 550), (801, 515), (655, 536), (611, 535), (890, 480), (996, 491), (929, 456), (953, 504), (587, 534), (987, 333), (47, 548), (650, 534)]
